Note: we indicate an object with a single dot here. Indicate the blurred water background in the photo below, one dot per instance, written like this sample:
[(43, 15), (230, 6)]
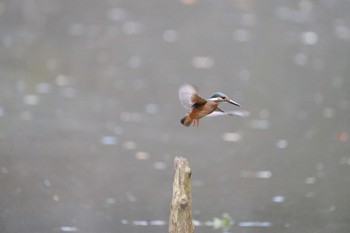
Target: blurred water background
[(89, 114)]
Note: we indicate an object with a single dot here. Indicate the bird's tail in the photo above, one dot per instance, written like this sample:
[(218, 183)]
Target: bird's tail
[(186, 121)]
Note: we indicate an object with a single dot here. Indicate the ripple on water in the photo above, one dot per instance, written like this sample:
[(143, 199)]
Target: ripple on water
[(43, 88), (31, 100), (232, 137), (108, 140), (278, 199), (69, 229), (256, 174), (142, 155)]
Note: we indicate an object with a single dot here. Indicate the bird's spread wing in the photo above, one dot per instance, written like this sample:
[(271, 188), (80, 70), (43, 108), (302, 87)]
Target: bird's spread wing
[(219, 112), (189, 97)]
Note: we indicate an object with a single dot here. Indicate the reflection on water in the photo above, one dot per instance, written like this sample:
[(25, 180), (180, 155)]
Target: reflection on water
[(89, 114)]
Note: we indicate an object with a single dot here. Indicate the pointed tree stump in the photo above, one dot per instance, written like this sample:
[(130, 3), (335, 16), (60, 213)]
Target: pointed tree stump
[(180, 220)]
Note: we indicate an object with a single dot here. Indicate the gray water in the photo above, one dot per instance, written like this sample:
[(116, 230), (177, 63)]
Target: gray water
[(89, 114)]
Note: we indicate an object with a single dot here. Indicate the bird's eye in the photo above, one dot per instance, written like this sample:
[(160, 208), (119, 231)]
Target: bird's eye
[(223, 97)]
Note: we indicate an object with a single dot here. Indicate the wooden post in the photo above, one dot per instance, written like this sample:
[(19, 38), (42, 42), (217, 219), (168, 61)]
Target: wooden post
[(180, 220)]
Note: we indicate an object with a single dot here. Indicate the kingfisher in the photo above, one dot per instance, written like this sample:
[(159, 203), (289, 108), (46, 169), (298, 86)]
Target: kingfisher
[(200, 107)]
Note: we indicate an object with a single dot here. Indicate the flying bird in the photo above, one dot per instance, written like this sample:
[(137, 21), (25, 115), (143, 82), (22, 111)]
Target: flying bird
[(200, 107)]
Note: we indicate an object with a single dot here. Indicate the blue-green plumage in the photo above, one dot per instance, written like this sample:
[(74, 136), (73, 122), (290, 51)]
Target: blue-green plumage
[(218, 94)]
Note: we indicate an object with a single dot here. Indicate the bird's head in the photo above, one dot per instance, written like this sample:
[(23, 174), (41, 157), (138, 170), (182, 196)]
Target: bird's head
[(219, 97)]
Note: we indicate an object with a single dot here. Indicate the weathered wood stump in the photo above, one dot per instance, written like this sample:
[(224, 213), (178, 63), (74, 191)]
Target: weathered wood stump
[(180, 220)]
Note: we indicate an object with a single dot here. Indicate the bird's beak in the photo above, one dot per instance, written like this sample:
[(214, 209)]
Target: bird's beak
[(233, 102)]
